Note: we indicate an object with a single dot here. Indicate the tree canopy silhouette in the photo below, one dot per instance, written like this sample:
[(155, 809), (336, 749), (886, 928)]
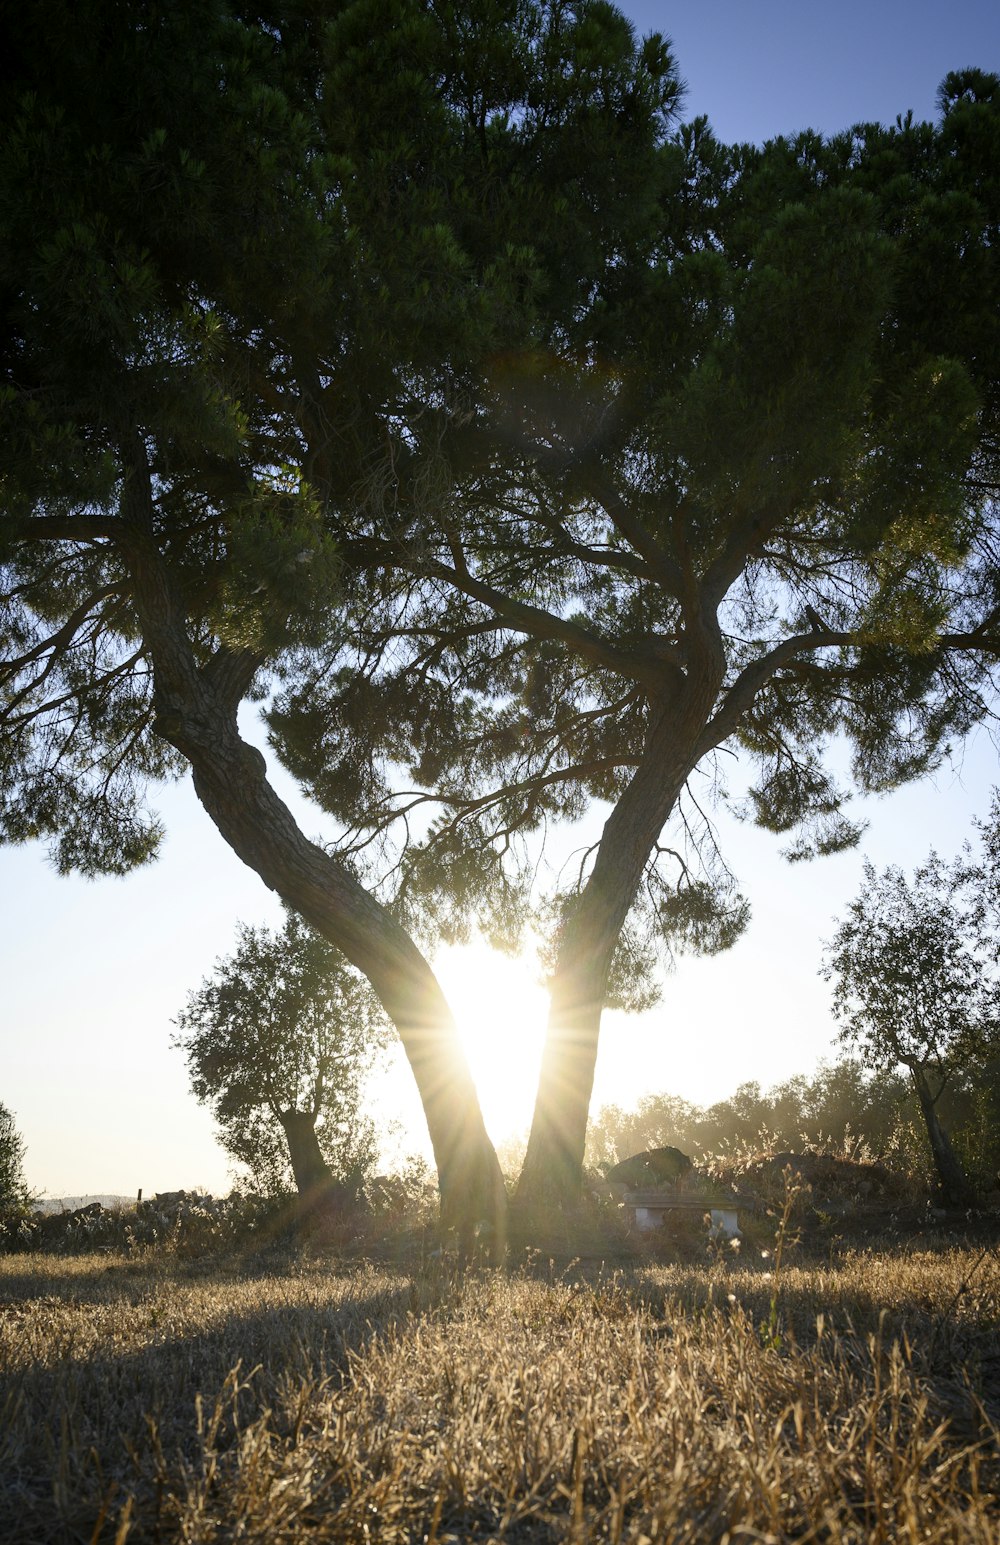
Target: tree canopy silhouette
[(407, 360), (14, 1192), (742, 499), (239, 245), (913, 988)]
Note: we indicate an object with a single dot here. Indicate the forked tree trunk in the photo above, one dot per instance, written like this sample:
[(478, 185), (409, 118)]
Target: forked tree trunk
[(955, 1185), (553, 1163)]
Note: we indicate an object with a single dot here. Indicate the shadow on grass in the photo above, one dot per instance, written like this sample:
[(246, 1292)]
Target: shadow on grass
[(133, 1385), (111, 1376)]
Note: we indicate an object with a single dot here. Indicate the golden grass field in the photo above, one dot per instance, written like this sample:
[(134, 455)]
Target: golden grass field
[(158, 1400)]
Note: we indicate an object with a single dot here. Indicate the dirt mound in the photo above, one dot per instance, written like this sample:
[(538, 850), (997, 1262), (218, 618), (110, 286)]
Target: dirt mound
[(830, 1179)]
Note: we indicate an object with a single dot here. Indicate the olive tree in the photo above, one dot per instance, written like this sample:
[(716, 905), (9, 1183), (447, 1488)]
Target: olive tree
[(913, 988), (14, 1192), (278, 1041)]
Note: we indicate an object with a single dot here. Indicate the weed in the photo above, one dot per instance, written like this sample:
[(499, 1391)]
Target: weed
[(785, 1238)]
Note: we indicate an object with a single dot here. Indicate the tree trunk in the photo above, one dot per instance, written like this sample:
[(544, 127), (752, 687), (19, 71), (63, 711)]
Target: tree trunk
[(553, 1164), (955, 1185), (196, 712), (313, 1179), (229, 778)]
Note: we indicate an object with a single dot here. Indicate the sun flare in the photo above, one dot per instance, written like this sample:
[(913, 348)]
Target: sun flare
[(501, 1010)]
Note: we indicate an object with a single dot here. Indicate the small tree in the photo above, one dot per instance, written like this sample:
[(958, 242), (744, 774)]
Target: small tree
[(14, 1193), (277, 1042), (912, 988)]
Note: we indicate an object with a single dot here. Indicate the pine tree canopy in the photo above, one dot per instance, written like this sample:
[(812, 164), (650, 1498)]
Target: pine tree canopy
[(237, 247), (743, 497), (243, 251)]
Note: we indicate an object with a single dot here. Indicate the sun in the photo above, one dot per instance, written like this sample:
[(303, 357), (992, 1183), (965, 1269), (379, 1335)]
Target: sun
[(501, 1010)]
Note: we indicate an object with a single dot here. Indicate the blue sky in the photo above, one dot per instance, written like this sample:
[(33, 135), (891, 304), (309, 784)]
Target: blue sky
[(763, 67), (94, 971)]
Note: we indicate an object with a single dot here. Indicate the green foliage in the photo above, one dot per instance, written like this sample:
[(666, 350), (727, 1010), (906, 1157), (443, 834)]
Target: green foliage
[(843, 1108), (703, 921), (250, 246), (284, 1028), (911, 986), (14, 1193), (746, 485), (115, 330), (914, 968), (282, 571)]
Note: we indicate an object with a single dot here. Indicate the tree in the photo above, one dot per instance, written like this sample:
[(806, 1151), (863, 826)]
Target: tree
[(912, 989), (658, 1121), (14, 1193), (167, 247), (217, 307), (277, 1043), (842, 1105), (845, 1104), (743, 500), (629, 447)]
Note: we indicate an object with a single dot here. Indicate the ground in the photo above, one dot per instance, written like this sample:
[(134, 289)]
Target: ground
[(850, 1396)]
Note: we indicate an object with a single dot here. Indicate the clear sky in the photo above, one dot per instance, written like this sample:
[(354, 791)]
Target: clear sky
[(92, 972)]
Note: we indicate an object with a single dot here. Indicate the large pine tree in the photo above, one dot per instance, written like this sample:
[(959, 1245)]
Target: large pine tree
[(743, 498), (241, 250)]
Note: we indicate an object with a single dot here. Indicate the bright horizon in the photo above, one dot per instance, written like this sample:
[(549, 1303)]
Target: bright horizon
[(94, 971)]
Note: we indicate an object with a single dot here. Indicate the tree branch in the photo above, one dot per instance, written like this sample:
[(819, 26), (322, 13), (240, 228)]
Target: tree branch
[(61, 637), (538, 623), (665, 571), (745, 688), (745, 536), (70, 528), (229, 673)]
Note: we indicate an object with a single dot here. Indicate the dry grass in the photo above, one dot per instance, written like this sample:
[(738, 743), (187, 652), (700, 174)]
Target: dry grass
[(163, 1402)]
